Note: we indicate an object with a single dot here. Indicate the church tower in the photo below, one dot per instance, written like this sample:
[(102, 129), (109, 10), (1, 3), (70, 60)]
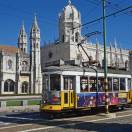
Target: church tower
[(36, 76), (69, 24), (22, 40)]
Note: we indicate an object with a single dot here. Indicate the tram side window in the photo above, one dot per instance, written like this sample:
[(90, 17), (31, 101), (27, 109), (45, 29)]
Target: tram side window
[(92, 84), (100, 84), (55, 82), (129, 84), (84, 84), (109, 84), (45, 82), (122, 83), (65, 83), (116, 84), (68, 83)]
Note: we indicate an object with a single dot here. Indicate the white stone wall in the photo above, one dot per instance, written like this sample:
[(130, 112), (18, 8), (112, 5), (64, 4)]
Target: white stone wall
[(58, 51), (72, 52), (8, 72)]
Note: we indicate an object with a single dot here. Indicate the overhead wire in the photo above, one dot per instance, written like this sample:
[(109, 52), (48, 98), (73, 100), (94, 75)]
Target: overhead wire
[(100, 18), (115, 6)]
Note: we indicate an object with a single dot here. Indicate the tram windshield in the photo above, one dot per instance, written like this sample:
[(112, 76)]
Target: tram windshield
[(129, 83), (55, 82)]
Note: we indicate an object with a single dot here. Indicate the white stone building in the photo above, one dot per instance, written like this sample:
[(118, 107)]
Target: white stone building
[(67, 47), (20, 70)]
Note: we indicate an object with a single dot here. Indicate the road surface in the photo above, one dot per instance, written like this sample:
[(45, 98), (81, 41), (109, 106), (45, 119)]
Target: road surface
[(33, 122)]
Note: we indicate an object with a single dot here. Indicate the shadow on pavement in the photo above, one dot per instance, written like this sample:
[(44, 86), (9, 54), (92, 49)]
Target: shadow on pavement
[(68, 125)]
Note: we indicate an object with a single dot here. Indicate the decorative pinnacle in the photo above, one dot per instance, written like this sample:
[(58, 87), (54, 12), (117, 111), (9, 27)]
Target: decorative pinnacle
[(69, 2), (22, 30), (35, 19)]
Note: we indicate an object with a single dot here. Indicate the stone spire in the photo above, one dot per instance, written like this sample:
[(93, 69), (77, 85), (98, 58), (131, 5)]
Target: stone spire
[(116, 56), (121, 57), (22, 39), (36, 76), (35, 26), (35, 31), (69, 2)]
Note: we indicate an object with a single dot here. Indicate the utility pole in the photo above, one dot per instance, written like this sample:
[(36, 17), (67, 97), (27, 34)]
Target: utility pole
[(105, 59)]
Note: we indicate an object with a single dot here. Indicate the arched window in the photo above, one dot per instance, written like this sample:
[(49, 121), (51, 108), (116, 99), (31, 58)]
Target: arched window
[(77, 37), (126, 64), (9, 86), (24, 87), (24, 66), (9, 64)]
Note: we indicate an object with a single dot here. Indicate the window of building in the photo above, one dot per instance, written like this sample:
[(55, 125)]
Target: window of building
[(24, 87), (10, 64), (68, 83), (24, 50), (84, 84), (116, 84), (70, 15), (9, 86), (63, 38), (122, 84), (126, 64), (55, 82), (50, 55), (76, 37), (24, 66)]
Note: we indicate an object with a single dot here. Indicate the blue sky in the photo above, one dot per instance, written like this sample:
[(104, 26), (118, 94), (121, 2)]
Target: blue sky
[(13, 12)]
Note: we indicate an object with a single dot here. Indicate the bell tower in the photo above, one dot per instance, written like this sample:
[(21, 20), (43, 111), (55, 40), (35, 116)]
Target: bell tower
[(36, 75), (22, 40), (69, 24)]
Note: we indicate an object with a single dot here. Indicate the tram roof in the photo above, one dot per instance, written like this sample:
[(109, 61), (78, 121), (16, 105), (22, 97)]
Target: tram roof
[(81, 69)]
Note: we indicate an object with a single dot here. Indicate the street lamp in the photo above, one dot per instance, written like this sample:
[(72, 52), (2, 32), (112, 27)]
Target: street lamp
[(105, 62)]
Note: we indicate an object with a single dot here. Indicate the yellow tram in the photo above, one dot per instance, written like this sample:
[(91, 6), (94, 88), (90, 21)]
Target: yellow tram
[(67, 88)]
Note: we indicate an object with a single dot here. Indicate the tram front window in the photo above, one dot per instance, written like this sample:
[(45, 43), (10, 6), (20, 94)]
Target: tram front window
[(55, 82), (45, 82), (122, 83), (129, 84)]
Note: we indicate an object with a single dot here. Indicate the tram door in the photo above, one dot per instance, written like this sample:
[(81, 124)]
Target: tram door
[(68, 93)]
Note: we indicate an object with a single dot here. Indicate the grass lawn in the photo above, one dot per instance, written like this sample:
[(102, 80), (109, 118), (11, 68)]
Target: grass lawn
[(34, 102), (14, 103)]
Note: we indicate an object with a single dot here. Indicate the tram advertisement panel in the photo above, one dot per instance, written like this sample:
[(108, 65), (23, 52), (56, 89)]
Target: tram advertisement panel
[(94, 99)]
